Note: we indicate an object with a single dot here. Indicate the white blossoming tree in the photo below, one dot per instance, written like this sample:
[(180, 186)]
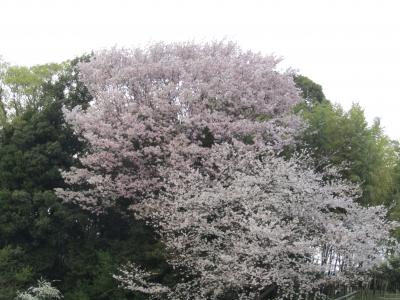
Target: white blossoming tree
[(43, 291), (270, 225)]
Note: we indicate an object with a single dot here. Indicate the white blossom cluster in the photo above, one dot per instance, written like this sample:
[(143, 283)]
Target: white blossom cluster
[(270, 222), (135, 278), (43, 291)]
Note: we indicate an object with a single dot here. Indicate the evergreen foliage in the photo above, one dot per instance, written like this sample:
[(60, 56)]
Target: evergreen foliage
[(39, 235), (344, 139)]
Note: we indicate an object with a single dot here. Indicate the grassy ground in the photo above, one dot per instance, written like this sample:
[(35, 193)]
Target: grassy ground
[(378, 296)]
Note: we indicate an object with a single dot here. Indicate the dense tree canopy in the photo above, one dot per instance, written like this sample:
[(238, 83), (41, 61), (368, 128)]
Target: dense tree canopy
[(366, 154), (311, 92)]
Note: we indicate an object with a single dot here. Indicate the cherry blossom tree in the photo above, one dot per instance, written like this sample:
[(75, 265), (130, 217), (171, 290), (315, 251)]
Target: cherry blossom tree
[(187, 136)]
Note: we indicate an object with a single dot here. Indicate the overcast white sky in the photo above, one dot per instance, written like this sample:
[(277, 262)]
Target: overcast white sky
[(351, 48)]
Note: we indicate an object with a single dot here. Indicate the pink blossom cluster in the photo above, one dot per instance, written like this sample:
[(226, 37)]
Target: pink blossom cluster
[(163, 109)]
